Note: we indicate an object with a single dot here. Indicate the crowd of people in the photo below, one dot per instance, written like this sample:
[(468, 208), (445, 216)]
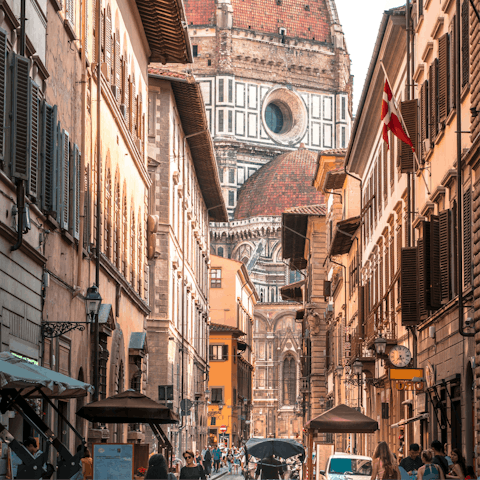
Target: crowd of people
[(431, 464)]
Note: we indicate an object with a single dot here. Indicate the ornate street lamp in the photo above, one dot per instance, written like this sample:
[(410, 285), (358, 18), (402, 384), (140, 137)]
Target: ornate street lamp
[(93, 301), (380, 345), (357, 367)]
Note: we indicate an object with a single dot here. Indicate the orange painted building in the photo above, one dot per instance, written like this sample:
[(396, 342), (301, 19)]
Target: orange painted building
[(232, 299)]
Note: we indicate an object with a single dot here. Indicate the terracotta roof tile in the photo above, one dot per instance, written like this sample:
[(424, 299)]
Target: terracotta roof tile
[(308, 210), (283, 183)]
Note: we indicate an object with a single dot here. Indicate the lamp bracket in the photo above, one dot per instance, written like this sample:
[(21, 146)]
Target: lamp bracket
[(57, 329)]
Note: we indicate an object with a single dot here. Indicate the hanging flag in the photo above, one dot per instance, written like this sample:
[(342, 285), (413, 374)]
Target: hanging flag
[(391, 118)]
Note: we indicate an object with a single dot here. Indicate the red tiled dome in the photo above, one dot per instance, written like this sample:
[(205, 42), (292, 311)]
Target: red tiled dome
[(283, 183), (309, 20)]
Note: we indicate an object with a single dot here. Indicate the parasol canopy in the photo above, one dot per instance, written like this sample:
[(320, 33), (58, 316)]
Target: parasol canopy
[(280, 447), (128, 407), (20, 374), (342, 419)]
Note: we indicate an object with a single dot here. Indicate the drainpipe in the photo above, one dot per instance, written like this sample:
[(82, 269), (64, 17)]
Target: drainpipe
[(458, 94), (409, 81)]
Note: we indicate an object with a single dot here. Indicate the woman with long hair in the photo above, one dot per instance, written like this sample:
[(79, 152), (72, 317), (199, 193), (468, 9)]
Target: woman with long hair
[(384, 466), (429, 470), (157, 468), (459, 470)]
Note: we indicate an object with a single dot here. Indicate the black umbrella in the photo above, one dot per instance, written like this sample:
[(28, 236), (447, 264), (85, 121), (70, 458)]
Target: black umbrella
[(128, 407), (280, 447)]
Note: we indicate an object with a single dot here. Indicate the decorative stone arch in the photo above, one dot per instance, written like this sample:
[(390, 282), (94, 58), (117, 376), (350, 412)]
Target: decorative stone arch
[(281, 316), (277, 252), (239, 250), (289, 372)]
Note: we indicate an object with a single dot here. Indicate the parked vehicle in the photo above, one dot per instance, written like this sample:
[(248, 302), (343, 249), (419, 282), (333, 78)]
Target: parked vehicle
[(344, 466)]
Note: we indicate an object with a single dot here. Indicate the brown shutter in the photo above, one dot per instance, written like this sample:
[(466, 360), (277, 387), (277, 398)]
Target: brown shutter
[(409, 109), (422, 277), (392, 160), (435, 275), (432, 83), (408, 284), (445, 250), (443, 77), (385, 172), (423, 118), (376, 189), (465, 43), (452, 63), (108, 42), (118, 66), (95, 26), (379, 185), (467, 237), (102, 35)]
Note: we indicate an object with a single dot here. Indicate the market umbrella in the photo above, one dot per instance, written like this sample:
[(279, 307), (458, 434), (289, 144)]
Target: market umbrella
[(281, 447), (342, 419), (128, 407)]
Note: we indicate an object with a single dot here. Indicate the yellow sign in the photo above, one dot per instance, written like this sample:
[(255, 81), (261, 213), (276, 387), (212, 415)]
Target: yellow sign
[(405, 373)]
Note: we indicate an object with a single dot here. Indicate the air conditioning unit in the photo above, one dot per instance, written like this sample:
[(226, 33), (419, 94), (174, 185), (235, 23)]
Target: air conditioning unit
[(123, 110), (115, 91)]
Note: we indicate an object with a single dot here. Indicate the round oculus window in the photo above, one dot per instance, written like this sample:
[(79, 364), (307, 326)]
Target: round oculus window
[(274, 118)]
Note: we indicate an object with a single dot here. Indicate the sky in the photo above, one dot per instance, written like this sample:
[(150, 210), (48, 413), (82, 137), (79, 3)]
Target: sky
[(360, 21)]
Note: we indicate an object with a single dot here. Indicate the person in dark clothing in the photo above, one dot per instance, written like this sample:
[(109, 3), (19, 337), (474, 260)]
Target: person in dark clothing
[(207, 460), (269, 468), (413, 461), (439, 456), (191, 469), (157, 468)]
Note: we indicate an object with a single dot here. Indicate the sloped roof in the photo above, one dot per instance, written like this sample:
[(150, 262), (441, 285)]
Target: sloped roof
[(190, 106), (343, 236), (218, 327), (283, 183)]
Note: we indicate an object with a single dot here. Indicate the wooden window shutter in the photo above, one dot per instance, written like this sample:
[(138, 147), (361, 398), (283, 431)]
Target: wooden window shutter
[(118, 66), (432, 83), (391, 152), (379, 185), (32, 184), (399, 247), (409, 109), (445, 252), (20, 127), (75, 182), (467, 237), (102, 35), (86, 25), (452, 62), (70, 12), (48, 153), (375, 190), (64, 186), (225, 352), (435, 274), (3, 91), (408, 285), (385, 172), (130, 106), (443, 77), (465, 43), (423, 265), (95, 33), (423, 118), (133, 106), (87, 210), (108, 41)]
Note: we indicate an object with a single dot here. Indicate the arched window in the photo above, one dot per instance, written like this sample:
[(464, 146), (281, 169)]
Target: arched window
[(133, 233), (272, 295), (125, 233), (117, 227), (107, 216), (289, 381), (220, 251)]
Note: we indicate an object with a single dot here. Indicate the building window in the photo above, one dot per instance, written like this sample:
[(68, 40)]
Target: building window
[(220, 90), (230, 91), (220, 174), (220, 120), (231, 198), (344, 108), (274, 118), (209, 63), (195, 50), (343, 137), (220, 251), (241, 176), (289, 381), (213, 421), (230, 121), (216, 278), (217, 395), (231, 175), (218, 352)]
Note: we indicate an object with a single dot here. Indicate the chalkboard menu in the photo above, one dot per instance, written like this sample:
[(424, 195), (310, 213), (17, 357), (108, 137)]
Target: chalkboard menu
[(113, 461)]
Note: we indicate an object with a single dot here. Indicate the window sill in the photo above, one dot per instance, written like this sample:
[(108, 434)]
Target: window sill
[(56, 5), (70, 30)]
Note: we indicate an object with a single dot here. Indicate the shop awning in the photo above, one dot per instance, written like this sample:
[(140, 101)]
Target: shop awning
[(18, 373), (293, 291), (342, 419), (343, 236), (401, 423)]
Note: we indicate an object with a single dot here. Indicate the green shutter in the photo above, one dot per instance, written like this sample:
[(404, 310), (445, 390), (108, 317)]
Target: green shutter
[(20, 132), (48, 144), (32, 185), (63, 184), (75, 182), (3, 90)]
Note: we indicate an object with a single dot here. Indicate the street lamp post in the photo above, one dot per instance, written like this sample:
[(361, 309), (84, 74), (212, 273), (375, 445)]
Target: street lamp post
[(357, 369), (93, 301)]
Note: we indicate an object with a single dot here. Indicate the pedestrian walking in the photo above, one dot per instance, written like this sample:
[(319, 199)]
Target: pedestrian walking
[(87, 465), (413, 462), (439, 456), (384, 466), (217, 457), (459, 469), (229, 460), (199, 459), (430, 471), (191, 470), (157, 468), (269, 468), (236, 462), (207, 460)]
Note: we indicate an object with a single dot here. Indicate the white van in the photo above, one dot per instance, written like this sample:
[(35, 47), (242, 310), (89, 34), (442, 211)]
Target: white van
[(344, 466)]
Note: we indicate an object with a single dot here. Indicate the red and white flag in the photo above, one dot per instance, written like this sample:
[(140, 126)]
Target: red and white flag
[(391, 118)]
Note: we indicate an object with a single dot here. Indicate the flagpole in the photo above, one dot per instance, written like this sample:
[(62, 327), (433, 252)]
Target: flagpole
[(399, 111)]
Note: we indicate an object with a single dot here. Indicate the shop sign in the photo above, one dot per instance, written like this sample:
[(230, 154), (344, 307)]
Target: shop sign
[(403, 378)]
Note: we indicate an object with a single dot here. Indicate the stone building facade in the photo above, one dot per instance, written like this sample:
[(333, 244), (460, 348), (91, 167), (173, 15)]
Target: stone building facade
[(49, 110), (185, 195)]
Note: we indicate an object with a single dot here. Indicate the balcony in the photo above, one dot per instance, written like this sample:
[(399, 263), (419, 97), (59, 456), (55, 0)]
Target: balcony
[(380, 322), (360, 351)]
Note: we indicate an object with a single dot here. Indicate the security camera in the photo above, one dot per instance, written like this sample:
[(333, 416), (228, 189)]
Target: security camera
[(469, 322)]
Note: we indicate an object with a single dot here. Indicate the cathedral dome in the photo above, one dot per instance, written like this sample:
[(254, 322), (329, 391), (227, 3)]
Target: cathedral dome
[(283, 183)]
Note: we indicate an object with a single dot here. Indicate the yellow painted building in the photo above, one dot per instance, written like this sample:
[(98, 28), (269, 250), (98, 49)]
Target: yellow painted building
[(232, 299)]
